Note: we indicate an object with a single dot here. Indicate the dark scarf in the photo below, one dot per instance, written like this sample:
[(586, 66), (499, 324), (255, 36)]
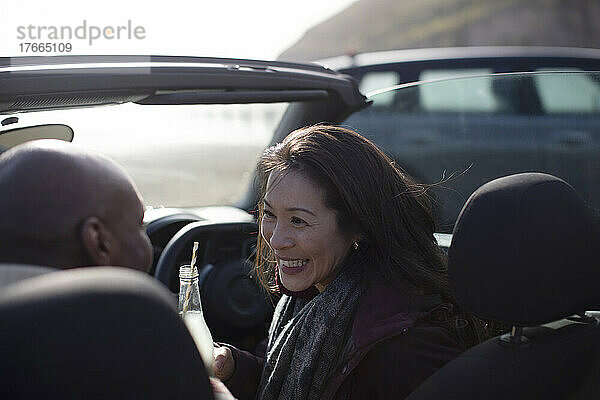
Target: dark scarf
[(307, 338)]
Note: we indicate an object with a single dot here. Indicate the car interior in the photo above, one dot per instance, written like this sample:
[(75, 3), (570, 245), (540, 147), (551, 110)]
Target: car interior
[(521, 248)]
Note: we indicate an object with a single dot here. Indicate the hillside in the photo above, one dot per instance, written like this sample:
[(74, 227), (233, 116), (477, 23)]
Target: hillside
[(371, 25)]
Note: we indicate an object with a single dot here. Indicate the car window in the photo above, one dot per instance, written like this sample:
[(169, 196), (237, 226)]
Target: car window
[(479, 128), (178, 156), (377, 80), (578, 94), (475, 95)]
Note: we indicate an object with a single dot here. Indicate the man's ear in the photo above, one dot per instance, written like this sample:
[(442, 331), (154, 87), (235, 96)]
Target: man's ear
[(97, 241)]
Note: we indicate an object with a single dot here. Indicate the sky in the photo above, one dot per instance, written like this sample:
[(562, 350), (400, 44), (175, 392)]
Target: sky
[(235, 28)]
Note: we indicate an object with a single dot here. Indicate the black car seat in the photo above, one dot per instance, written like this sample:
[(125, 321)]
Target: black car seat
[(525, 254), (96, 333)]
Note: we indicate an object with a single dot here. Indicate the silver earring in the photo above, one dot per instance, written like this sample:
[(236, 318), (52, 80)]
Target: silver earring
[(355, 245)]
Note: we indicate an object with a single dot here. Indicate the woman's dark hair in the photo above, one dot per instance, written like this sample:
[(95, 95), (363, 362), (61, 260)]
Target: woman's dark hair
[(372, 198)]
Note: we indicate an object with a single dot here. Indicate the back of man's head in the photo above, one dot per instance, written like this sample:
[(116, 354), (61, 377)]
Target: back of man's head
[(64, 207)]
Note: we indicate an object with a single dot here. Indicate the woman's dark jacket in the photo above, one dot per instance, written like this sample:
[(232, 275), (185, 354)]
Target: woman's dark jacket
[(397, 341)]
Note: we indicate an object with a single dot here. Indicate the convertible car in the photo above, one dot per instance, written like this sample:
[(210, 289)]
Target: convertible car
[(189, 131)]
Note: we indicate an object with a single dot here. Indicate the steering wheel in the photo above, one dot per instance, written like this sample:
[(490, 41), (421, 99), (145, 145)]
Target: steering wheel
[(230, 298)]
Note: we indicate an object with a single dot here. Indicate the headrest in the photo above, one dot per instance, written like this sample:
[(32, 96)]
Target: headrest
[(96, 333), (525, 251)]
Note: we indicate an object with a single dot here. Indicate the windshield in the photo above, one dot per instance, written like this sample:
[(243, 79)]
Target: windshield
[(457, 134), (178, 156)]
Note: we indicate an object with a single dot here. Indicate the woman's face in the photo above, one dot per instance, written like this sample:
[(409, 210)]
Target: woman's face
[(302, 232)]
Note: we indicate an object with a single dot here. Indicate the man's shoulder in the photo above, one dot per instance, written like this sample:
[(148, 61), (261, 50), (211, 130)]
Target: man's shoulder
[(11, 273)]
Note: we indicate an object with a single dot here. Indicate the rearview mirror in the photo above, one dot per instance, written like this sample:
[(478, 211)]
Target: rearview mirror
[(13, 137)]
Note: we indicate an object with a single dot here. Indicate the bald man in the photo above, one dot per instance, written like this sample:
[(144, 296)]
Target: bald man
[(64, 207)]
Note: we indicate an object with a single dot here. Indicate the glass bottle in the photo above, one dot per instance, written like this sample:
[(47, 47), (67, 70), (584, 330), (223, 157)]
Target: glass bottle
[(190, 309)]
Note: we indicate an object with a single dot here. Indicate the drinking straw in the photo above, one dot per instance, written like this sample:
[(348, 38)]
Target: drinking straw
[(194, 250)]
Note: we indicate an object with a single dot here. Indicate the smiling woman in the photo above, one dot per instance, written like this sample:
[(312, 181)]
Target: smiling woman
[(302, 231), (347, 238)]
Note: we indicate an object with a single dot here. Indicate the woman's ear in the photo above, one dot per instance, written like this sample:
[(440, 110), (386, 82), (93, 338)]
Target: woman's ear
[(97, 241)]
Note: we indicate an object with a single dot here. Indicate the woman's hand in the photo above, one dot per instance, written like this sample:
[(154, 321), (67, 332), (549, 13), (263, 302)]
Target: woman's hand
[(224, 363)]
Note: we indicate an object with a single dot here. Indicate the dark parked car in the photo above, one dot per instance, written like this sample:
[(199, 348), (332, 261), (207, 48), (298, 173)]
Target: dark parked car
[(459, 134)]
